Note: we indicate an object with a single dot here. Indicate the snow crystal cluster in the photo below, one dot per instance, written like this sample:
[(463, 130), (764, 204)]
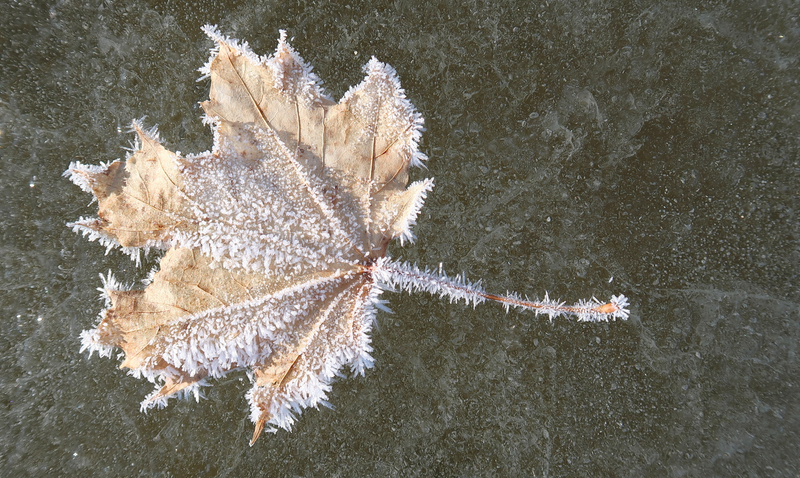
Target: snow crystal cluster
[(238, 202)]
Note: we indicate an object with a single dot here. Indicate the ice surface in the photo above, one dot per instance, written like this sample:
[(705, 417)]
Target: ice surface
[(572, 142)]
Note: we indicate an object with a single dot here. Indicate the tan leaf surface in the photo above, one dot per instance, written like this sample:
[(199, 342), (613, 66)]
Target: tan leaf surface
[(269, 237), (140, 200)]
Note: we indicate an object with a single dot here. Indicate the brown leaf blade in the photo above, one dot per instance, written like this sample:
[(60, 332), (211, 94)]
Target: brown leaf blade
[(269, 237)]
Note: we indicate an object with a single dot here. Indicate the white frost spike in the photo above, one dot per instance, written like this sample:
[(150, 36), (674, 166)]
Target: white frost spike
[(90, 341), (81, 174), (220, 39), (275, 240), (293, 76), (410, 218)]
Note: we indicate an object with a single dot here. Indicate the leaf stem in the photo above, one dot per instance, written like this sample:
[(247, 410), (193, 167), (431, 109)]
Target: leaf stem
[(409, 277)]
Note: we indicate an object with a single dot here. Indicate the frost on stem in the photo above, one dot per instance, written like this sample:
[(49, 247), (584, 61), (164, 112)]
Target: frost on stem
[(409, 277)]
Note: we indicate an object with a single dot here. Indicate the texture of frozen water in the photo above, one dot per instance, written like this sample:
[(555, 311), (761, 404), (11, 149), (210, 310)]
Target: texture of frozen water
[(655, 143)]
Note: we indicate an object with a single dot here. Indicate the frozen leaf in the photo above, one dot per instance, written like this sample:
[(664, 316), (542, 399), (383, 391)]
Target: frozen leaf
[(275, 240)]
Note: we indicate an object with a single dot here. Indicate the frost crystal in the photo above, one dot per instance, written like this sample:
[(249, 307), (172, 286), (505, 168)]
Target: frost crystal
[(275, 239)]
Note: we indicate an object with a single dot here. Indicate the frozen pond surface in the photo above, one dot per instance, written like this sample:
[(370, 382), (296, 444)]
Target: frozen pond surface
[(655, 143)]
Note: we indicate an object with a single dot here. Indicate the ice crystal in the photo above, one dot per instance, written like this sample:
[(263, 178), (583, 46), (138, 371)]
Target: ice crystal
[(275, 239)]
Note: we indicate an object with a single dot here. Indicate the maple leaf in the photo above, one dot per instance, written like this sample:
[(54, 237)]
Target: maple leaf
[(275, 240)]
